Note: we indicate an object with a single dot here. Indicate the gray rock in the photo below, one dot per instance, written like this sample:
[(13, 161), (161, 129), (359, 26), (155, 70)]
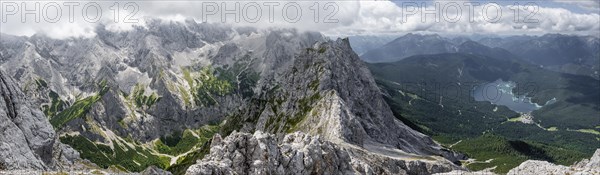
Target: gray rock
[(27, 136), (242, 153), (539, 167), (584, 167), (592, 163), (299, 153), (153, 170), (27, 140), (462, 172)]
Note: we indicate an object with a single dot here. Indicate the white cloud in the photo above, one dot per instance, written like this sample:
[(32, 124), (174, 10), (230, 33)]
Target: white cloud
[(592, 5), (61, 22), (351, 17), (384, 17)]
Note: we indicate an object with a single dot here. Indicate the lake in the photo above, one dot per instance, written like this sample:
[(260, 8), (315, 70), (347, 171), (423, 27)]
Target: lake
[(501, 93)]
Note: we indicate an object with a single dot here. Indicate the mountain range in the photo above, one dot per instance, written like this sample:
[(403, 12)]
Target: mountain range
[(557, 52), (198, 98), (162, 96)]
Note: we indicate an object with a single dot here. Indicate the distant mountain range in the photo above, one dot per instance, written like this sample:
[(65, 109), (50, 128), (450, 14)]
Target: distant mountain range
[(578, 55), (363, 43), (563, 53), (409, 45)]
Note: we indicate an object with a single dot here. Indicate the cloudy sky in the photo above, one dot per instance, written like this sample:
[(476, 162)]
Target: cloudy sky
[(339, 18)]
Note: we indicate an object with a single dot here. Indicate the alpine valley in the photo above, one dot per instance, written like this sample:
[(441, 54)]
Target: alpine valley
[(198, 98), (499, 107)]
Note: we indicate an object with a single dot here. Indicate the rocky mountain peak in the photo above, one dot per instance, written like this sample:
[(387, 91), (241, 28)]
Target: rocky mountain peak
[(326, 90)]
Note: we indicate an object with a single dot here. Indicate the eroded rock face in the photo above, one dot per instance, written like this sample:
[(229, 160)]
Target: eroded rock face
[(243, 153), (27, 140), (27, 137), (299, 153), (586, 166)]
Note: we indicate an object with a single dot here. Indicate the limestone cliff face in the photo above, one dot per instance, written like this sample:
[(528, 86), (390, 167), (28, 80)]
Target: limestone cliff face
[(27, 140)]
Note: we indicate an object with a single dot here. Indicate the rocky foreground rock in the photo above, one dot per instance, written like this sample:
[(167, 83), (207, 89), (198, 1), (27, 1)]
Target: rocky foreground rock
[(299, 153), (27, 140), (584, 167), (535, 167)]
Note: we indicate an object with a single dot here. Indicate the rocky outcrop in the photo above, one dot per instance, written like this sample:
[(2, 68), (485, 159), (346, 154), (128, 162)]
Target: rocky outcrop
[(539, 167), (584, 167), (299, 153), (462, 172), (153, 170), (27, 140), (590, 164), (243, 153)]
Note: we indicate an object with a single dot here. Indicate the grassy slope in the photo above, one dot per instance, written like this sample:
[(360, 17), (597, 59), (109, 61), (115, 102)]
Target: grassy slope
[(137, 158), (79, 109), (133, 159)]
